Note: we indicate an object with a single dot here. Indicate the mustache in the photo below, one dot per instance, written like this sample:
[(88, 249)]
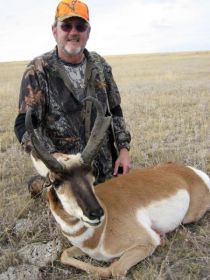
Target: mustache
[(73, 37)]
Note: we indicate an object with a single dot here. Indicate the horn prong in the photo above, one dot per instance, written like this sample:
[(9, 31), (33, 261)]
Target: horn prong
[(98, 132)]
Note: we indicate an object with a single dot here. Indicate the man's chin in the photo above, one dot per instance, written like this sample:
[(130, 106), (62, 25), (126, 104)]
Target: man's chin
[(74, 52)]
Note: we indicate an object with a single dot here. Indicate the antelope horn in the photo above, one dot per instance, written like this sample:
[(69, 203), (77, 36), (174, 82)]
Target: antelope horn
[(41, 152), (100, 127)]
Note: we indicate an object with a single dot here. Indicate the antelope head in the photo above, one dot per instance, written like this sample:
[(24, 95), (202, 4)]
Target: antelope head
[(70, 176)]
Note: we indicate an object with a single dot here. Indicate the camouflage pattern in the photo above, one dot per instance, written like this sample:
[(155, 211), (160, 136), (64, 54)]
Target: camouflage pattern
[(63, 123)]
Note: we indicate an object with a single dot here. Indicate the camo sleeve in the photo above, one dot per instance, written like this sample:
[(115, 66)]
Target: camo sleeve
[(32, 94), (121, 134)]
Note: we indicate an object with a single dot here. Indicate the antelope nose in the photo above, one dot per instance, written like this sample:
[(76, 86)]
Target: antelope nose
[(96, 213)]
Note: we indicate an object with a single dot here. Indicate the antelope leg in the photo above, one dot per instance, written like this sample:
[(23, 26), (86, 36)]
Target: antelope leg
[(130, 258), (96, 272)]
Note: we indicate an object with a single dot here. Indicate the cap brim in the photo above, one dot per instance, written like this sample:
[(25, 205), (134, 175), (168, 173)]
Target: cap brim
[(62, 18)]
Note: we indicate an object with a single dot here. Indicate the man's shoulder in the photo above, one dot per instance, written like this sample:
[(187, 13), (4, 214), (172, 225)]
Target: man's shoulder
[(43, 60), (97, 57), (99, 61)]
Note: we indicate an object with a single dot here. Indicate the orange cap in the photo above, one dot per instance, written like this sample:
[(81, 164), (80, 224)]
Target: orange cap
[(71, 8)]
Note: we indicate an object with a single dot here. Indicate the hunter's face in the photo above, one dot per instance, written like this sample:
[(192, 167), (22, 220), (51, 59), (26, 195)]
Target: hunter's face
[(71, 36)]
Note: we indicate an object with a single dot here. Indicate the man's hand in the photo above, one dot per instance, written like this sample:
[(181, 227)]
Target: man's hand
[(122, 161), (27, 146)]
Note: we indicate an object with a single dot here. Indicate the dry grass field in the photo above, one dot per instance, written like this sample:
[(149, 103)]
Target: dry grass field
[(166, 103)]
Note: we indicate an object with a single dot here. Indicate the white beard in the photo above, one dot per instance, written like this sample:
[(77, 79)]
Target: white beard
[(72, 51)]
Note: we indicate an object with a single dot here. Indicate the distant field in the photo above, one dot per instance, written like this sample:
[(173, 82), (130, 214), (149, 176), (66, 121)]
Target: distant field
[(166, 104)]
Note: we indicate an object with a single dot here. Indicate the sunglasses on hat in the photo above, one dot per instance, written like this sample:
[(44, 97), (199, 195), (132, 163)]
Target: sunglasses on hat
[(68, 26)]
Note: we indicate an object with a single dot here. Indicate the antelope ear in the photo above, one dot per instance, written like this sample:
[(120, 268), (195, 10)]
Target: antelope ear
[(50, 178), (48, 181)]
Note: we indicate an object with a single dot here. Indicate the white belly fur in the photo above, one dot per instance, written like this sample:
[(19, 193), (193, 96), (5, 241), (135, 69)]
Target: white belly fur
[(165, 215)]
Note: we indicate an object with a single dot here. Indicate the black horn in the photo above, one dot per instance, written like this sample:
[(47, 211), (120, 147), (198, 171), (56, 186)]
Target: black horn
[(41, 152), (98, 132)]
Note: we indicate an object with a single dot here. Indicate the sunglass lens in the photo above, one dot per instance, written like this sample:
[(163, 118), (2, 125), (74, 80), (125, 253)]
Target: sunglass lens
[(81, 27), (66, 27)]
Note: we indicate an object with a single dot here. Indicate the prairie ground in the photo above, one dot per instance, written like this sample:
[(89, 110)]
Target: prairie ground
[(166, 104)]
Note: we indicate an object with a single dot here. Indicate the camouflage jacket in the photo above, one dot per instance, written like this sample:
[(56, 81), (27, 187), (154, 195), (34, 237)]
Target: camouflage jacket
[(62, 122)]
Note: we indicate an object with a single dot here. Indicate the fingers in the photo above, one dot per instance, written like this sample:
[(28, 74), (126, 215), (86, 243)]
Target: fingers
[(116, 167), (126, 169), (121, 168), (27, 146), (122, 164)]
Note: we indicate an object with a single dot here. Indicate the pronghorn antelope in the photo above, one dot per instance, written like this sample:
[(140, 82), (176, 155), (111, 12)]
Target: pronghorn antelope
[(119, 221)]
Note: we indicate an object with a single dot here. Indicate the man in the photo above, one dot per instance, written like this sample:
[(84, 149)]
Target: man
[(55, 84)]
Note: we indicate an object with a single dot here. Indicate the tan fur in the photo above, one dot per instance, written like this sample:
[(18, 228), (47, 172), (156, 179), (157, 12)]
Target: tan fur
[(121, 234)]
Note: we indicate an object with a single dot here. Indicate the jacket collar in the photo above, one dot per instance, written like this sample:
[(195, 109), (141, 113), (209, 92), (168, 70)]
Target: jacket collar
[(56, 67)]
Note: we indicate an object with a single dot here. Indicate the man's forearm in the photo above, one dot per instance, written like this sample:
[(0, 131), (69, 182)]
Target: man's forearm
[(122, 136), (19, 126)]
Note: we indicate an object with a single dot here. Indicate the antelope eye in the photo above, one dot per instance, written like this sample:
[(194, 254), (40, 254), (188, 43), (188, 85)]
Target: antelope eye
[(57, 183)]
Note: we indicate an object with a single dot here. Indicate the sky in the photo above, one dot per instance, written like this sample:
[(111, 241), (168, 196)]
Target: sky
[(117, 27)]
